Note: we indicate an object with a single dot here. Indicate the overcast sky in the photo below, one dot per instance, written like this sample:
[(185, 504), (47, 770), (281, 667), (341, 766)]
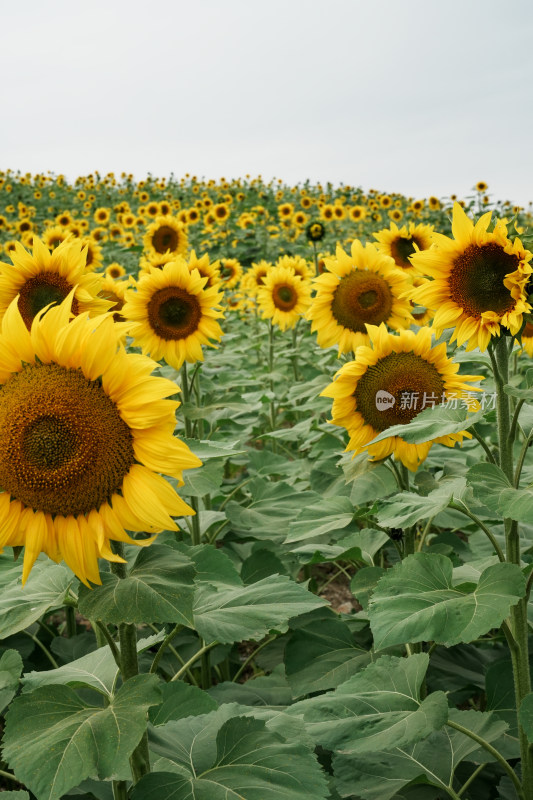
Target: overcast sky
[(415, 96)]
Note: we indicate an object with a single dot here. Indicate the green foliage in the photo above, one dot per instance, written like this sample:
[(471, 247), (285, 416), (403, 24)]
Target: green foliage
[(54, 722), (417, 601)]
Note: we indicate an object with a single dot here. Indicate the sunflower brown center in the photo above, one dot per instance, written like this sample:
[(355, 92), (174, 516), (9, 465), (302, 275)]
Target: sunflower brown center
[(396, 389), (476, 279), (64, 447), (284, 297), (174, 313), (401, 248), (40, 291), (165, 238), (361, 297)]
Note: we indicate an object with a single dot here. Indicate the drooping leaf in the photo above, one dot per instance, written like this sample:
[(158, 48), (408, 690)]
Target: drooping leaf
[(270, 691), (407, 508), (322, 656), (53, 739), (21, 606), (416, 601), (487, 482), (382, 774), (431, 423), (378, 708), (158, 588), (10, 669), (239, 758), (331, 514)]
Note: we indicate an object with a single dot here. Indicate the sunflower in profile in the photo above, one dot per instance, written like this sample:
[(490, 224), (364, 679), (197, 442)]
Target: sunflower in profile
[(207, 269), (85, 430), (172, 314), (479, 280), (48, 277), (401, 243), (358, 289), (53, 236), (114, 290), (388, 384), (166, 235), (230, 272), (284, 297), (93, 253)]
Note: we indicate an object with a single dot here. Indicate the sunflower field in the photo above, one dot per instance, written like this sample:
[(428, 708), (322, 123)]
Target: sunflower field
[(266, 505)]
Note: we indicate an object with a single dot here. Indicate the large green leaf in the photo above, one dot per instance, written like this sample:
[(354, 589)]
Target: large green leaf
[(232, 613), (331, 514), (97, 670), (416, 601), (382, 774), (240, 758), (407, 508), (21, 606), (273, 507), (360, 545), (158, 588), (270, 691), (372, 485), (322, 656), (377, 708), (10, 669), (54, 740), (487, 482)]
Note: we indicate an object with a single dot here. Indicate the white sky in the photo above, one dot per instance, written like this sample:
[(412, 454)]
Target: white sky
[(415, 96)]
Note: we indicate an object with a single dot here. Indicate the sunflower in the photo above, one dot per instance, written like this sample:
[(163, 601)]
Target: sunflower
[(115, 270), (53, 236), (84, 433), (302, 268), (401, 243), (114, 291), (230, 272), (166, 235), (358, 289), (256, 276), (101, 216), (48, 277), (284, 297), (207, 269), (315, 231), (172, 315), (357, 213), (94, 253), (388, 384), (480, 280)]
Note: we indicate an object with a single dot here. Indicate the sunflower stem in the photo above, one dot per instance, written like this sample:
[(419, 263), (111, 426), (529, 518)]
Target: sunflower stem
[(186, 397), (270, 371), (70, 614), (294, 359), (129, 667), (500, 354)]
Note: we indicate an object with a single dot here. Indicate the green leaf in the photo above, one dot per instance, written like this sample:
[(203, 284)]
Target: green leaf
[(517, 504), (21, 606), (407, 508), (206, 449), (382, 774), (208, 479), (525, 715), (181, 700), (271, 691), (331, 514), (416, 601), (53, 739), (273, 507), (261, 564), (322, 656), (158, 588), (372, 485), (364, 582), (432, 423), (378, 708), (487, 482), (232, 613), (245, 760), (97, 670), (10, 669)]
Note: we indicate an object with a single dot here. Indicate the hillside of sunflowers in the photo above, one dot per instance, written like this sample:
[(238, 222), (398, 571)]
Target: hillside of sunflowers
[(266, 504)]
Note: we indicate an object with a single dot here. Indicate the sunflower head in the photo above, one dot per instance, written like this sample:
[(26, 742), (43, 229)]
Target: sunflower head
[(166, 235), (401, 243), (45, 278), (85, 432), (172, 313), (284, 297), (480, 280), (388, 384), (358, 289)]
